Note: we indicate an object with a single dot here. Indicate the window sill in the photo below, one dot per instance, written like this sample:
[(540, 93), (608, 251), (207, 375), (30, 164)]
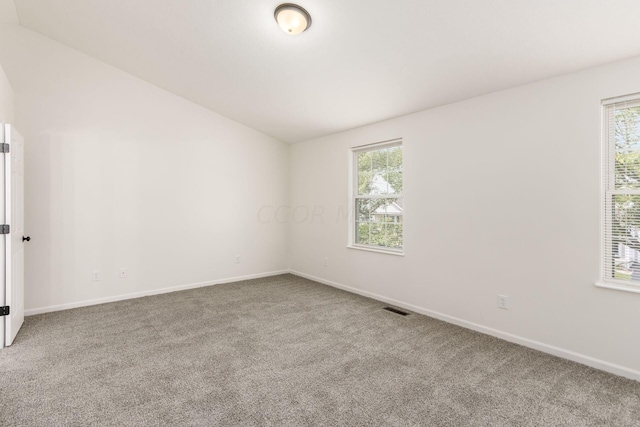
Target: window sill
[(618, 287), (373, 249)]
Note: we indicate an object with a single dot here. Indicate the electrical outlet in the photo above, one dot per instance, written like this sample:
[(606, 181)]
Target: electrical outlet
[(325, 262), (95, 276), (237, 259), (503, 302), (123, 273)]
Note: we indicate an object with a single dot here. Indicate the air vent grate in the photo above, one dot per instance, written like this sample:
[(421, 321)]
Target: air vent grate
[(396, 311)]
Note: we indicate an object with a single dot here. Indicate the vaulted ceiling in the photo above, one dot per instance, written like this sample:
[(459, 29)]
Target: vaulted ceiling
[(361, 61)]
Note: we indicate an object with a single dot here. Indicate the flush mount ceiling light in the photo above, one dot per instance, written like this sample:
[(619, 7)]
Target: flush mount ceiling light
[(292, 18)]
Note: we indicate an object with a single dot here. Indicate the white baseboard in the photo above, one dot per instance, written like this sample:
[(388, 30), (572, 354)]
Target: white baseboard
[(121, 297), (546, 348)]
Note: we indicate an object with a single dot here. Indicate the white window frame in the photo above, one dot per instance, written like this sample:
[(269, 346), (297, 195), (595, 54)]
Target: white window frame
[(353, 196), (608, 189)]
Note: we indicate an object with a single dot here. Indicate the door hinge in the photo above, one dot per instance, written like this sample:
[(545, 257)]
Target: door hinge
[(4, 148), (5, 229), (4, 310)]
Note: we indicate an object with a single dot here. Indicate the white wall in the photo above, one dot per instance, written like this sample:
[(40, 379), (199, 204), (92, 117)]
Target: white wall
[(8, 13), (502, 195), (120, 173), (6, 99)]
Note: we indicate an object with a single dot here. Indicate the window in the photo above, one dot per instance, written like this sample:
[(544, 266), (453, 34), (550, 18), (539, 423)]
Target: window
[(377, 197), (622, 193)]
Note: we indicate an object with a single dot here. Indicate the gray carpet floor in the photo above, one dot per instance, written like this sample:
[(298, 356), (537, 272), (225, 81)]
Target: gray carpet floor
[(288, 351)]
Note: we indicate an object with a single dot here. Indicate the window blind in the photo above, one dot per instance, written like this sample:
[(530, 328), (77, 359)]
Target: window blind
[(621, 176)]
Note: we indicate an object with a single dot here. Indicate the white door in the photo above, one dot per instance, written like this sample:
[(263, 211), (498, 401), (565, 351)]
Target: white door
[(14, 244)]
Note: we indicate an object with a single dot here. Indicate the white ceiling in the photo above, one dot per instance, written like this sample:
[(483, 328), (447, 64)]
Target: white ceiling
[(360, 62)]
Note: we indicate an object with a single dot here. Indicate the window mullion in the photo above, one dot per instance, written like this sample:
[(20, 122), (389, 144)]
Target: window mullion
[(378, 196)]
